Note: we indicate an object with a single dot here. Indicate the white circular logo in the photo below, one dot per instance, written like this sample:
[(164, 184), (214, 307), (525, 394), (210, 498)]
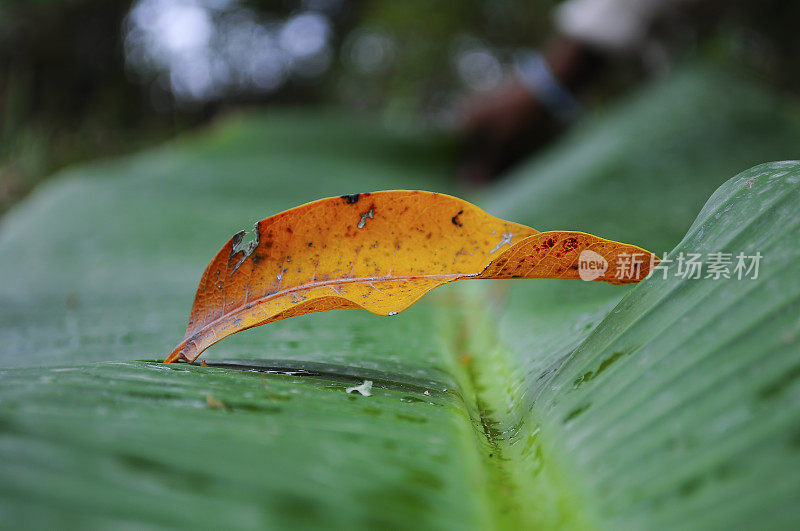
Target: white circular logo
[(591, 265)]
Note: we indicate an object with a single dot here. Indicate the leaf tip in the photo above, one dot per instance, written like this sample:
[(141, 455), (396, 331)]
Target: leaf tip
[(176, 355)]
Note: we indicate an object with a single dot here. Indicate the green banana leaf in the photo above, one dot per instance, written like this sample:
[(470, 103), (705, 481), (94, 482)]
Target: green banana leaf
[(551, 404)]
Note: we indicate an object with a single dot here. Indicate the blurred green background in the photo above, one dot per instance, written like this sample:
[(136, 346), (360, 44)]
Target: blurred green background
[(81, 79)]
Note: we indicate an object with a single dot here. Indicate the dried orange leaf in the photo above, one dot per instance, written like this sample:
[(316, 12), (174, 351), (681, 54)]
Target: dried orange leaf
[(381, 252)]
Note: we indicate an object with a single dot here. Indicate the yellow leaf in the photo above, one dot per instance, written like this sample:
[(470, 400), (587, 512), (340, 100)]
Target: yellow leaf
[(381, 252)]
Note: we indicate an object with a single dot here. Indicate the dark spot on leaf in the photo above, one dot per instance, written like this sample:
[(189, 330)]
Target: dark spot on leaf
[(794, 440), (423, 477), (253, 408), (154, 395), (689, 486), (6, 425), (725, 471), (583, 378), (455, 219), (605, 364), (550, 242), (608, 361), (575, 412), (410, 418), (570, 244), (775, 387), (351, 198), (299, 511)]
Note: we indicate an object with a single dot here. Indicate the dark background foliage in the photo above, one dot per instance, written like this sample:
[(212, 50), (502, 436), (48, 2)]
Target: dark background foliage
[(81, 79)]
